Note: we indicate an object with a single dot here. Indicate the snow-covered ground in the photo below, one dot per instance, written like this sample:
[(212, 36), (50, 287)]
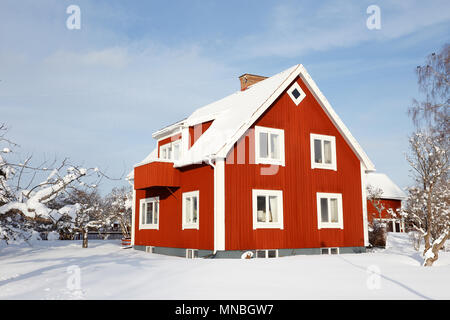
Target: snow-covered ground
[(64, 270)]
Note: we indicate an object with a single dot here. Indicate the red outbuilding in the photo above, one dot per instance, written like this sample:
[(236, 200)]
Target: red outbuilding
[(389, 202), (269, 169)]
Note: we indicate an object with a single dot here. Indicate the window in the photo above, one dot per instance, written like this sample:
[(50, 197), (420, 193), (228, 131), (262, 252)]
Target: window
[(323, 152), (150, 249), (190, 210), (267, 209), (176, 150), (266, 253), (329, 250), (191, 253), (329, 210), (296, 93), (170, 151), (269, 146), (149, 215)]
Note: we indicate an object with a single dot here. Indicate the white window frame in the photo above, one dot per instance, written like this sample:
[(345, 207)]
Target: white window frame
[(266, 253), (322, 138), (142, 212), (184, 224), (191, 253), (300, 97), (333, 225), (268, 160), (176, 143), (267, 193), (400, 221), (170, 145), (329, 250)]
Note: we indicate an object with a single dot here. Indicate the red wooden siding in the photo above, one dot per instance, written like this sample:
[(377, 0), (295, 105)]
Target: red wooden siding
[(372, 213), (156, 174), (196, 131), (170, 233), (298, 182)]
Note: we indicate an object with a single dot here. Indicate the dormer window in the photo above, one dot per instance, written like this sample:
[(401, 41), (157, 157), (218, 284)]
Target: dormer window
[(296, 93), (170, 151)]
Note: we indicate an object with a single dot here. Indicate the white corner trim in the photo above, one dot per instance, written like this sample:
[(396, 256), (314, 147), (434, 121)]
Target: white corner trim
[(184, 224), (330, 225), (268, 160), (364, 205), (133, 217), (219, 205), (321, 137), (267, 193)]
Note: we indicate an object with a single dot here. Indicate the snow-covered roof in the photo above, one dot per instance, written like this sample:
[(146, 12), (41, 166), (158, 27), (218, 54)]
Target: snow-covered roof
[(383, 182), (235, 114)]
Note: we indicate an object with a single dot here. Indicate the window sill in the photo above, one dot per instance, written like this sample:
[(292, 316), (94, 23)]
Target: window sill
[(331, 226), (190, 226), (148, 227), (268, 226), (270, 162), (326, 167)]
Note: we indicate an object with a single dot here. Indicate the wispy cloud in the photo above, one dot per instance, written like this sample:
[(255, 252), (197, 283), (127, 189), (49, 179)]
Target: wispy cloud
[(294, 28)]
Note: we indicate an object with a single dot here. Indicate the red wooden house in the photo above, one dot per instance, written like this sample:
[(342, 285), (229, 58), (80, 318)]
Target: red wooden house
[(390, 199), (270, 169)]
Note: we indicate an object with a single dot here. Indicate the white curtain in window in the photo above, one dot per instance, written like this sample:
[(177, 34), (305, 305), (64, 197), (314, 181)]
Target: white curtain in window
[(188, 210), (273, 209), (334, 210), (155, 212), (149, 219), (327, 151), (274, 146)]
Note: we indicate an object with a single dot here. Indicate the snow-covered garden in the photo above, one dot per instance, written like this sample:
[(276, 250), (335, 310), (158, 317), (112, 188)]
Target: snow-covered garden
[(64, 270)]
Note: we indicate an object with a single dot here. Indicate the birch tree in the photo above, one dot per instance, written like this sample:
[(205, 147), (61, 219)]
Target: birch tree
[(427, 204)]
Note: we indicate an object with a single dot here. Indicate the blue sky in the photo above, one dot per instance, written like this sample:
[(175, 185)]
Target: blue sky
[(97, 94)]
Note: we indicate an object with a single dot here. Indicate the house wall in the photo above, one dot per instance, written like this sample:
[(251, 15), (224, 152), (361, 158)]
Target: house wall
[(170, 233), (298, 181), (372, 213)]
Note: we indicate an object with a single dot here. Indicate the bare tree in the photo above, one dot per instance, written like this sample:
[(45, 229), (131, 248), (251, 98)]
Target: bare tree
[(118, 208), (433, 81), (26, 190), (427, 205), (82, 212)]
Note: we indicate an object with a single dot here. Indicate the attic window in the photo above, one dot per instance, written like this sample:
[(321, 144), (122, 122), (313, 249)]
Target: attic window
[(296, 93)]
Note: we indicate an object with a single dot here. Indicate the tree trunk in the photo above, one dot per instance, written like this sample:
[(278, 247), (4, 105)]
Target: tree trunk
[(429, 223), (85, 238), (434, 254)]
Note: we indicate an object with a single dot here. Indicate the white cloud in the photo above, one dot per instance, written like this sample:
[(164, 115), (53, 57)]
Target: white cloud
[(294, 29)]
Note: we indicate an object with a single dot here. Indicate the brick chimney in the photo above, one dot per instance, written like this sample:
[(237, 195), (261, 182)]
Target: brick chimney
[(249, 79)]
